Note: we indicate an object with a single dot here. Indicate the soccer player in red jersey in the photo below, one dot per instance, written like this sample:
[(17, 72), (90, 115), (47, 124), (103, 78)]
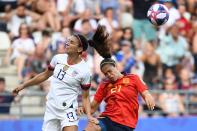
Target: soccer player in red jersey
[(120, 92)]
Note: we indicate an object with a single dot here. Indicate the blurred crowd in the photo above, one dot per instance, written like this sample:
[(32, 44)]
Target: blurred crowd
[(164, 57)]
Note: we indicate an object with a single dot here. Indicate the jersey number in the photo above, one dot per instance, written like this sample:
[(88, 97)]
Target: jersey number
[(61, 74), (71, 116), (116, 89)]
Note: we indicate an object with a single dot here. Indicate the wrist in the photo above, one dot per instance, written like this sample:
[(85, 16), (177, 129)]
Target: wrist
[(22, 86)]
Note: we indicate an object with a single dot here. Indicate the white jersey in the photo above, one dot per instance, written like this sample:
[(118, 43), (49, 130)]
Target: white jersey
[(67, 81)]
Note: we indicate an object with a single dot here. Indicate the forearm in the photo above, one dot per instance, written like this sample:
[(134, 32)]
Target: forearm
[(148, 99), (36, 80), (145, 94), (86, 105)]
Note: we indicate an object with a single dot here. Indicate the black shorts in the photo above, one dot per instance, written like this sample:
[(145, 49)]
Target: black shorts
[(107, 124)]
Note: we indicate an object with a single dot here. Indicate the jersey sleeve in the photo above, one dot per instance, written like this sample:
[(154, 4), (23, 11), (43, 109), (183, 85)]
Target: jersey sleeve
[(86, 81), (140, 84), (52, 64), (99, 95)]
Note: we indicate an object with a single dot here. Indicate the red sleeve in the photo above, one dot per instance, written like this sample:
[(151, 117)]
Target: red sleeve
[(85, 87), (50, 68), (140, 84), (98, 97)]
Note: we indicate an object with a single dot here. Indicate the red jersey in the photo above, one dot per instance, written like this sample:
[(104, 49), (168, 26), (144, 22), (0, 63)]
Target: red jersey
[(121, 99)]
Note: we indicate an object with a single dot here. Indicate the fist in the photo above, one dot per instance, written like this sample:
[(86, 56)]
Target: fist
[(16, 90)]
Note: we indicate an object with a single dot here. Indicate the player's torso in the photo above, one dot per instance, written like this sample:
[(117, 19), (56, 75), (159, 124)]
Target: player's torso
[(123, 90), (122, 101), (65, 82)]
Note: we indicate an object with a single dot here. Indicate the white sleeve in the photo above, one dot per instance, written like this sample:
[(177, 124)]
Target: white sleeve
[(86, 81), (52, 64)]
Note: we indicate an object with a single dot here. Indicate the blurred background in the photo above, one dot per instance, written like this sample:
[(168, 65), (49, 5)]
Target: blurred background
[(165, 57)]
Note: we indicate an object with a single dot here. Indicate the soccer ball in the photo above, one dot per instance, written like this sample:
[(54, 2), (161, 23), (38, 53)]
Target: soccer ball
[(158, 14)]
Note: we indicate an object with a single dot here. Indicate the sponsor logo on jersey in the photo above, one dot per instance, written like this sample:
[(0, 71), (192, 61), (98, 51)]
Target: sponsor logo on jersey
[(65, 67)]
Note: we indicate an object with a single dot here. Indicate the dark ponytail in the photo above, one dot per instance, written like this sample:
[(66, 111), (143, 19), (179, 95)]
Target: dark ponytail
[(101, 43)]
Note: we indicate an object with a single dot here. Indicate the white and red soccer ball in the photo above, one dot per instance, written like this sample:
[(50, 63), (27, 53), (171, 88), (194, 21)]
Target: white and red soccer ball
[(158, 14)]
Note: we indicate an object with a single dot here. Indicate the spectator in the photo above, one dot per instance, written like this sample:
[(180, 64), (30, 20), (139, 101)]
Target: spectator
[(94, 6), (185, 79), (172, 48), (6, 98), (21, 15), (193, 96), (36, 64), (21, 48), (125, 58), (174, 15), (152, 63), (128, 35), (184, 23), (108, 21), (87, 15), (170, 102), (126, 14), (50, 17), (141, 25)]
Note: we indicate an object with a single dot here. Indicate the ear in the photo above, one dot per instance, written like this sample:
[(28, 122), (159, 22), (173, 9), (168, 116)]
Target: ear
[(80, 49)]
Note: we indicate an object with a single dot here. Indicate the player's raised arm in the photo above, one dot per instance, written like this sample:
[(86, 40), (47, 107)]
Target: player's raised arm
[(36, 80)]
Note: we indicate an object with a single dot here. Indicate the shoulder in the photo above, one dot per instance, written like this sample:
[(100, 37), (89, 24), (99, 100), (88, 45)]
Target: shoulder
[(60, 56), (131, 75), (84, 67), (104, 83)]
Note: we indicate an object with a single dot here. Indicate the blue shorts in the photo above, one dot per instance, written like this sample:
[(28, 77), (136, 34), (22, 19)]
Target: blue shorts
[(107, 124)]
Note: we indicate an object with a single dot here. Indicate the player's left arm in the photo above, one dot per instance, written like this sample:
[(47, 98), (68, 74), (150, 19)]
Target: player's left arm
[(143, 90), (87, 106), (148, 99), (85, 85)]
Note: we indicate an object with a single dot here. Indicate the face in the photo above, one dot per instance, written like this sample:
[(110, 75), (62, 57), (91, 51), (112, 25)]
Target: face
[(127, 34), (73, 45), (66, 32), (174, 31), (149, 48), (185, 74), (110, 72), (109, 13), (23, 30), (86, 27), (21, 11)]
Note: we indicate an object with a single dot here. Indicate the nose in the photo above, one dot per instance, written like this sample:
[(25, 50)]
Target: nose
[(109, 75)]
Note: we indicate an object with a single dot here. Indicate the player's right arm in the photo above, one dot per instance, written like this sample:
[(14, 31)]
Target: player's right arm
[(36, 80)]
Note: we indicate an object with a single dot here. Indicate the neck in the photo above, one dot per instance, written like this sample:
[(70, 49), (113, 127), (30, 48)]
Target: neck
[(73, 59), (120, 75), (23, 36)]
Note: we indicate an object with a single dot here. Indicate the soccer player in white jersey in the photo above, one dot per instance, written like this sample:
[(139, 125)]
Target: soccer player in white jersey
[(69, 74)]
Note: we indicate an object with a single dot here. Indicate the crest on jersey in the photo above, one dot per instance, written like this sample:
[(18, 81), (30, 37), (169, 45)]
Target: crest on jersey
[(65, 67), (125, 80), (74, 73)]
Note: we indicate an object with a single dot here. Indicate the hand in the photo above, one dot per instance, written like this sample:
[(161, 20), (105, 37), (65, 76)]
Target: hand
[(17, 90), (80, 111), (93, 120), (150, 101)]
